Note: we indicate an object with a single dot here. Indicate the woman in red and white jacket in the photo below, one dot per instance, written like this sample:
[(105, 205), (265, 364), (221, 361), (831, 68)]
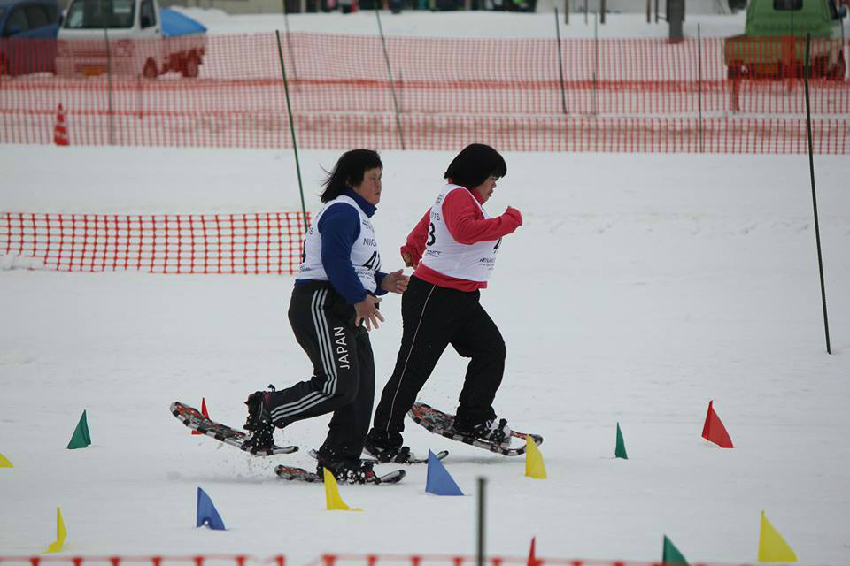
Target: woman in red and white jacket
[(453, 248)]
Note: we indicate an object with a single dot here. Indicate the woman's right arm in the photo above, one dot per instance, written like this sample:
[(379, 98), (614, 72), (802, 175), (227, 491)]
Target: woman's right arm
[(414, 247)]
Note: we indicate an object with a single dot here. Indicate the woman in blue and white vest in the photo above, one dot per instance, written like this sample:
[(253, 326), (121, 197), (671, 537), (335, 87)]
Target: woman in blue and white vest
[(333, 307)]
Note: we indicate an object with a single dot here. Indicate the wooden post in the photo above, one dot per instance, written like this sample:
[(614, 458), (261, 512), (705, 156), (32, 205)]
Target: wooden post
[(602, 11), (109, 76), (595, 62), (734, 102), (648, 11)]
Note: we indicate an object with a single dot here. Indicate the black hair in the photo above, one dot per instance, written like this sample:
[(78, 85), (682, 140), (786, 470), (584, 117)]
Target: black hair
[(474, 164), (349, 171)]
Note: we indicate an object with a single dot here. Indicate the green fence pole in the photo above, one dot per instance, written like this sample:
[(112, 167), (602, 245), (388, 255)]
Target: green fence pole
[(390, 74), (292, 129), (814, 197), (289, 41)]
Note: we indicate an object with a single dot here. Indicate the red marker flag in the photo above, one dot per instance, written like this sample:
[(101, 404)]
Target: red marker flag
[(713, 429)]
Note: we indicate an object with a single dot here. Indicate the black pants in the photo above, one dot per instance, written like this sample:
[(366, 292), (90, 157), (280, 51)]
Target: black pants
[(343, 369), (435, 317)]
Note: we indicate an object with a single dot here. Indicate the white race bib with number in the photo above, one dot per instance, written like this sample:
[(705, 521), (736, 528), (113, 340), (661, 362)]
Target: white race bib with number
[(365, 257), (444, 254)]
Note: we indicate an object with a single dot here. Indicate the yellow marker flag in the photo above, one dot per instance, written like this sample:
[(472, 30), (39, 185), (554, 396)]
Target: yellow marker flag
[(5, 463), (534, 466), (332, 493), (61, 533), (772, 547)]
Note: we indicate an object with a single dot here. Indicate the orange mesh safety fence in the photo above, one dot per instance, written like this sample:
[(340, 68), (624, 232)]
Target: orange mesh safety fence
[(460, 560), (152, 560), (253, 243), (323, 560), (449, 91)]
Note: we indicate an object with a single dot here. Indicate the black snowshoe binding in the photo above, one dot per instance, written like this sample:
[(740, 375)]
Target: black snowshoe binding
[(259, 423), (493, 430), (400, 455), (386, 447), (345, 469)]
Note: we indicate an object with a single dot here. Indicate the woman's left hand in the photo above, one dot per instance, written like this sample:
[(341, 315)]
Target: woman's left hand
[(395, 282)]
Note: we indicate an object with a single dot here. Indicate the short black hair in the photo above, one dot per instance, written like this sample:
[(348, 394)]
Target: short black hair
[(349, 171), (474, 164)]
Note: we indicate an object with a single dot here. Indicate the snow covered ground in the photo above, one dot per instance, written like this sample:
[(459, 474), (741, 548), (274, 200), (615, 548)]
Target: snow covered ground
[(639, 288), (467, 24)]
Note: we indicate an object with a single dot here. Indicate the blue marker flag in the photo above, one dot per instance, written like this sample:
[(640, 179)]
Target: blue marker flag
[(207, 513), (439, 481)]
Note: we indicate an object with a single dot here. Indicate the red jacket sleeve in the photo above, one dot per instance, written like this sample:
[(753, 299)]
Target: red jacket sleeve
[(415, 244), (466, 222)]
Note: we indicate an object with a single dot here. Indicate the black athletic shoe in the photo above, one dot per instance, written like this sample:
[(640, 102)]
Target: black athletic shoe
[(259, 423), (259, 416), (344, 469), (386, 446), (493, 430)]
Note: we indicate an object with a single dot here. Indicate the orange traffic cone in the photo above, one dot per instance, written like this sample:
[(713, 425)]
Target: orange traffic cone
[(60, 131)]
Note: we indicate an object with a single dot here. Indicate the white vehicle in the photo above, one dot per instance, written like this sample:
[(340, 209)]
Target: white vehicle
[(128, 37)]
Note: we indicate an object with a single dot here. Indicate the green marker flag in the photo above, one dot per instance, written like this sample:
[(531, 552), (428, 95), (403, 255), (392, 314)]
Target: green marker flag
[(620, 449), (670, 554), (81, 437)]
